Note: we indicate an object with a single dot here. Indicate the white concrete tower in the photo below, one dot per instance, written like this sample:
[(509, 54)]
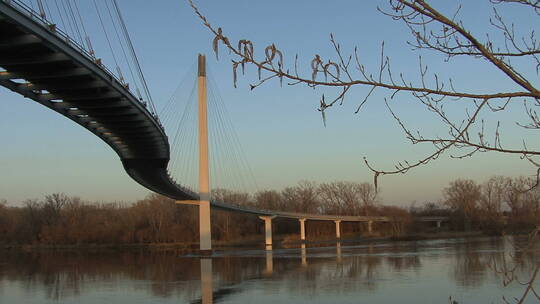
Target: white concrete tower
[(205, 231)]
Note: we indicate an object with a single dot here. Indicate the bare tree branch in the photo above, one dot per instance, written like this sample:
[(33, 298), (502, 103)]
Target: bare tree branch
[(431, 30)]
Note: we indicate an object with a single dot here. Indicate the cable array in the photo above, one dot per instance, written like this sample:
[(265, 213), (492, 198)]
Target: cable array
[(179, 118), (76, 19), (108, 37), (229, 168)]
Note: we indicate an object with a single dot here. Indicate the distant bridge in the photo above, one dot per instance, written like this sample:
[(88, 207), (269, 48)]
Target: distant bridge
[(44, 64)]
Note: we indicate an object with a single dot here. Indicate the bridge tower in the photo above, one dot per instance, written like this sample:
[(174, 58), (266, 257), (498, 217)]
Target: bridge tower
[(205, 232)]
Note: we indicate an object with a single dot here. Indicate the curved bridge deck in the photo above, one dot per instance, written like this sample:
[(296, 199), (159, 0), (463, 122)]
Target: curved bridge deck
[(298, 215), (44, 64)]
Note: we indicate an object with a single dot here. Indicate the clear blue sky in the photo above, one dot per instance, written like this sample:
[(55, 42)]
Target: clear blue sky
[(281, 131)]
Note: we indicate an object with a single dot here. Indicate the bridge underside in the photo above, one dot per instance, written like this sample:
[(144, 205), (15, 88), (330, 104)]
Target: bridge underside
[(42, 64)]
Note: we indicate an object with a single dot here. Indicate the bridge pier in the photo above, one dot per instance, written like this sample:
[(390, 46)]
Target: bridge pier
[(338, 229), (268, 229), (302, 229), (370, 227), (205, 229)]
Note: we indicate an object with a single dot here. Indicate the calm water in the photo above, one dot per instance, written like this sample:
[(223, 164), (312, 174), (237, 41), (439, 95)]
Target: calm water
[(404, 272)]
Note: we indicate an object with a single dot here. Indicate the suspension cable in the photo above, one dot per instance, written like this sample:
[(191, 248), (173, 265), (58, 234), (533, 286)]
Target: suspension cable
[(41, 9), (87, 37), (74, 20), (49, 13), (68, 21), (60, 14), (121, 45), (106, 35), (136, 60)]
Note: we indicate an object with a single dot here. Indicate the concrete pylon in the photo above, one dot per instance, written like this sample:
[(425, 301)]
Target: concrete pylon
[(370, 227), (205, 231), (439, 224), (338, 229), (268, 230), (302, 229)]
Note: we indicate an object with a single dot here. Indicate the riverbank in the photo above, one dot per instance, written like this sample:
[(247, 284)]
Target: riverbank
[(360, 239), (285, 241)]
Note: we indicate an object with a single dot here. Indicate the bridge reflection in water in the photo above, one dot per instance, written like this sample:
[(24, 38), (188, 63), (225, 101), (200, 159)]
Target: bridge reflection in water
[(207, 286), (438, 268), (207, 283)]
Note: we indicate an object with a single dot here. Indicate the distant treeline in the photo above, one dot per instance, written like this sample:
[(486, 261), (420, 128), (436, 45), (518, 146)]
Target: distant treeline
[(500, 203)]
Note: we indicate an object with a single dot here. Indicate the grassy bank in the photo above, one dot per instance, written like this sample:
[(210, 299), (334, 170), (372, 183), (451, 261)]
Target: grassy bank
[(257, 241)]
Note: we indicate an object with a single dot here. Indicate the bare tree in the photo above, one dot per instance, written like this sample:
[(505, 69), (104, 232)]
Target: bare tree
[(4, 224), (268, 199), (348, 198), (432, 30), (301, 198), (228, 196), (523, 202), (493, 194), (368, 196), (492, 200), (463, 197), (52, 206)]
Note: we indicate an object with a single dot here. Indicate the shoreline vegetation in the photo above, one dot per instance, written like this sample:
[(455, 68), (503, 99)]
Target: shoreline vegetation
[(499, 206), (284, 241)]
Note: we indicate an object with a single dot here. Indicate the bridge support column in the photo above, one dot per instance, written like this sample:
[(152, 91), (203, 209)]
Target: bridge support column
[(370, 227), (268, 229), (338, 229), (302, 229), (205, 230), (438, 224)]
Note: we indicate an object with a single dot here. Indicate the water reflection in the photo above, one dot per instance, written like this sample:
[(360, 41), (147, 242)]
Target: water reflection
[(207, 288), (303, 254), (440, 268), (269, 262), (338, 252)]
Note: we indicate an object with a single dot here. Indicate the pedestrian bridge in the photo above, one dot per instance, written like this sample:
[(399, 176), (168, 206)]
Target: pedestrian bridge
[(41, 62), (44, 64)]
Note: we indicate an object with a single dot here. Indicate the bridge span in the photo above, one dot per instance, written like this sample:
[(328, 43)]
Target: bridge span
[(42, 63), (268, 215)]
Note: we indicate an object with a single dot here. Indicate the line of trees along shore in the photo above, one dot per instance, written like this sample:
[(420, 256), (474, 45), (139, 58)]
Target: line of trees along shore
[(499, 204)]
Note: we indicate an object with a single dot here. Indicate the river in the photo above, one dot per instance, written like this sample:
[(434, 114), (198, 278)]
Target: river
[(385, 272)]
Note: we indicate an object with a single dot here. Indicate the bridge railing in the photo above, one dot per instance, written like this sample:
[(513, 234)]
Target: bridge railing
[(30, 12)]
